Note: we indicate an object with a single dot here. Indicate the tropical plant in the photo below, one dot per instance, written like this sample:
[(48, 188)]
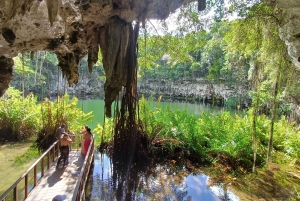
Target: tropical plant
[(19, 117), (53, 114), (222, 138), (105, 131)]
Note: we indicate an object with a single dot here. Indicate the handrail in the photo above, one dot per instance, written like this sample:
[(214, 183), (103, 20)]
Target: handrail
[(52, 152), (52, 149), (79, 189)]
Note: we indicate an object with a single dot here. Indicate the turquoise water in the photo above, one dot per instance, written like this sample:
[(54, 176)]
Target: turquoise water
[(161, 182), (97, 106)]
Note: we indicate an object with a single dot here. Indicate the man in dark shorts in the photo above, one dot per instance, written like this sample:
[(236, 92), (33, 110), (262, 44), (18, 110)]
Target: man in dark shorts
[(65, 141)]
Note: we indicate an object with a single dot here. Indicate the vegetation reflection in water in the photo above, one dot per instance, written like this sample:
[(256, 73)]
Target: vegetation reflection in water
[(111, 181), (196, 109)]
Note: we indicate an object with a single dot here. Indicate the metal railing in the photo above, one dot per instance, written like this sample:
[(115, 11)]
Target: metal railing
[(26, 183), (79, 191)]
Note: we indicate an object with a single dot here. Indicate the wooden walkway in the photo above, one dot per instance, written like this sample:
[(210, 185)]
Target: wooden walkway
[(59, 184), (43, 182)]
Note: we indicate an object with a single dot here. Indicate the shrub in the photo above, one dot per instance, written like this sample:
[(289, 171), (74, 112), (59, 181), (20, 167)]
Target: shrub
[(53, 114), (19, 118)]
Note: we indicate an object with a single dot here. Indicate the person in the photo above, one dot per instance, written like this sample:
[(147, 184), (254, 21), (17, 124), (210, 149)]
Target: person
[(59, 131), (87, 141), (65, 141), (83, 133)]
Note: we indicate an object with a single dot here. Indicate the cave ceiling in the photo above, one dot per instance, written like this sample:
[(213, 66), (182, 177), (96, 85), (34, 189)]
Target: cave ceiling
[(72, 28), (69, 28)]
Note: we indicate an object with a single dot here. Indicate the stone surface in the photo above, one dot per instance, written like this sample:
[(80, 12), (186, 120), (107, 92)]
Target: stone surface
[(71, 28), (290, 26), (198, 88)]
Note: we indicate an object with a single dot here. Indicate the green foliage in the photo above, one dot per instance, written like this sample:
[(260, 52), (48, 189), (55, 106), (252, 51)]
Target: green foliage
[(222, 138), (191, 55), (157, 54), (241, 7), (287, 138), (38, 73), (106, 131), (28, 72), (19, 118), (231, 102), (67, 111), (19, 67), (53, 114)]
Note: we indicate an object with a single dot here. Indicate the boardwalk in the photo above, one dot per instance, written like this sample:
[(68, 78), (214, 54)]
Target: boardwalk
[(42, 182), (59, 183)]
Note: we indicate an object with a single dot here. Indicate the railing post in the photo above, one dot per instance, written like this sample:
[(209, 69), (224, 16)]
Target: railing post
[(54, 155), (42, 167), (48, 161), (26, 186), (35, 176), (16, 193), (57, 150)]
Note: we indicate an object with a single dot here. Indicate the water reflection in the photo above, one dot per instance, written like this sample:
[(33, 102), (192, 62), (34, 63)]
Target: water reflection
[(117, 181)]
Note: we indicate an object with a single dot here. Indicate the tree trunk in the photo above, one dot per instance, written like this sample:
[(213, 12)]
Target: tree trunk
[(274, 111), (23, 76), (254, 135)]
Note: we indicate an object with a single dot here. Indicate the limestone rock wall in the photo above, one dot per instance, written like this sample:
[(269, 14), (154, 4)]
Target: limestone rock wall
[(70, 28), (199, 89), (290, 26)]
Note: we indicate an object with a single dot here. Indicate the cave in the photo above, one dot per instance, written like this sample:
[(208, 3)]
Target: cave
[(73, 29)]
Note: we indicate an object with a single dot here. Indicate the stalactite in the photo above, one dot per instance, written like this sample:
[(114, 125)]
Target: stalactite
[(6, 69), (93, 50), (67, 26), (68, 64), (52, 6), (114, 42)]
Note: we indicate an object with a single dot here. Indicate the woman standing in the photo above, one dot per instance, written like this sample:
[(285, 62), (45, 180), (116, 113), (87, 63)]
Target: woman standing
[(87, 141), (83, 132)]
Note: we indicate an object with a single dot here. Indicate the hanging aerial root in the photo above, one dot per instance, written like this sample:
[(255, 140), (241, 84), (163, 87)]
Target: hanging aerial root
[(118, 43)]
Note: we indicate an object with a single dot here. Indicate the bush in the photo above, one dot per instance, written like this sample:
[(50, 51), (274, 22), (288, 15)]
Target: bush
[(222, 138), (19, 118), (53, 114)]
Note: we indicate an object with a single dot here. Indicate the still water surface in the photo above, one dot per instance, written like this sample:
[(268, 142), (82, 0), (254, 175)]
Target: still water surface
[(97, 106), (163, 183), (112, 181)]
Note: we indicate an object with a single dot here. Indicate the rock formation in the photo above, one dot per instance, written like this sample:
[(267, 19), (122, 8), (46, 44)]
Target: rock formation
[(197, 89), (290, 26), (75, 28)]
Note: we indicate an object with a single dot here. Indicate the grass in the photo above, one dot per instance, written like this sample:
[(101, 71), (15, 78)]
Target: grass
[(11, 169), (277, 182)]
